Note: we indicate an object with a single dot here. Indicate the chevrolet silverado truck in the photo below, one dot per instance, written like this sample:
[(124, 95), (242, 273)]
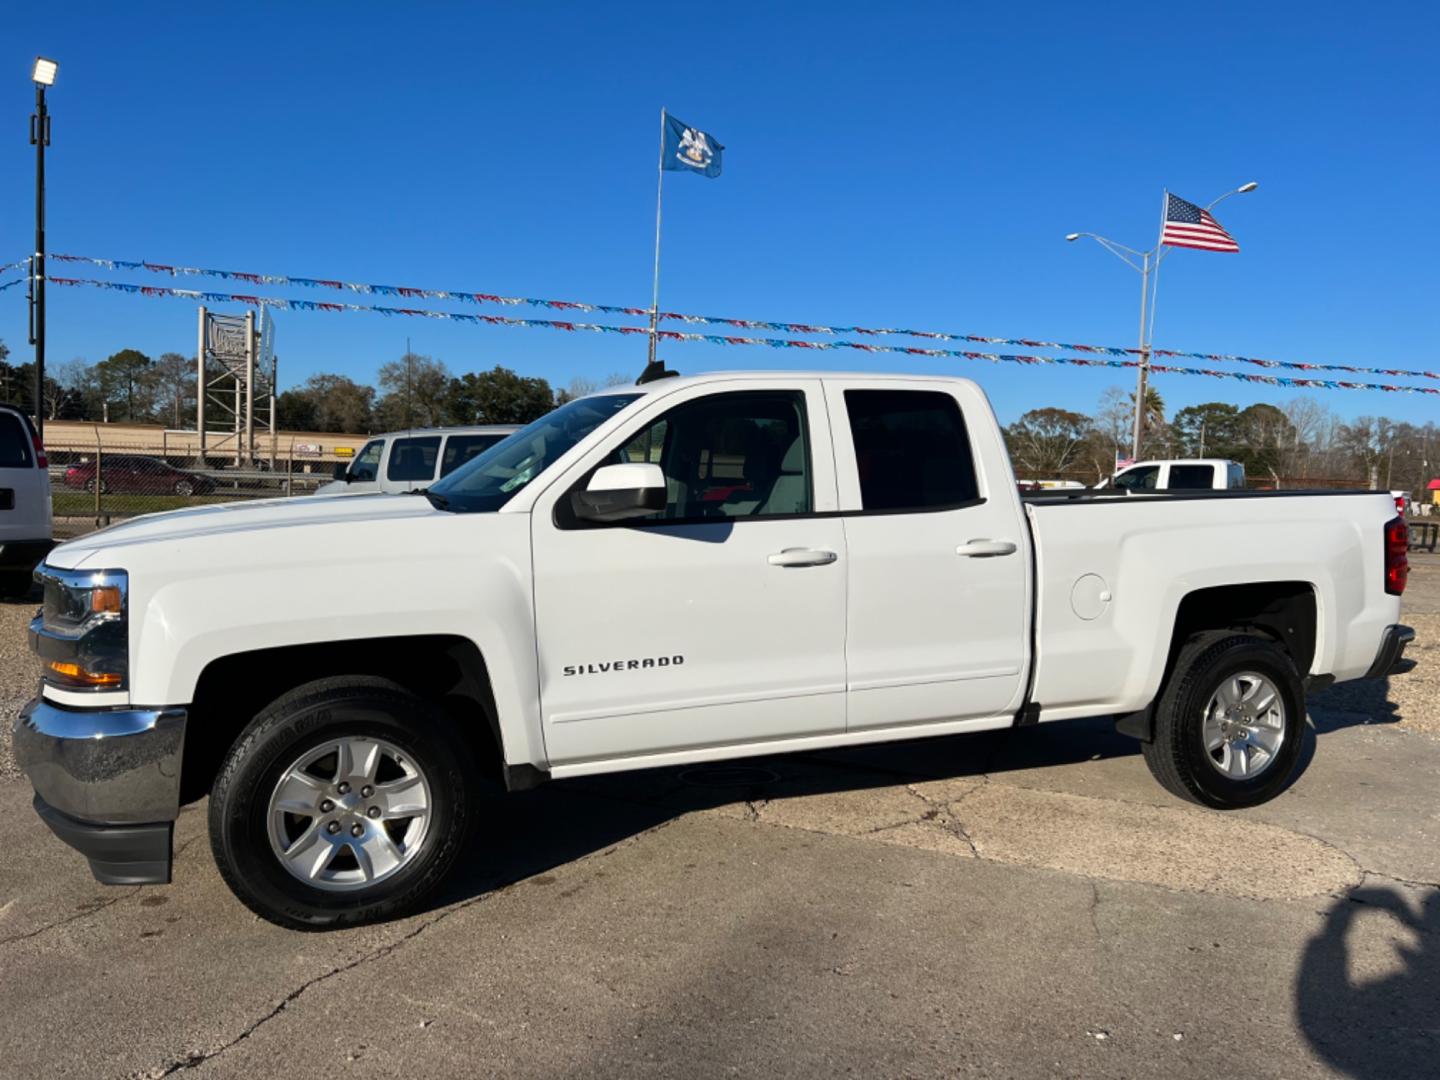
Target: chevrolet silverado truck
[(693, 569)]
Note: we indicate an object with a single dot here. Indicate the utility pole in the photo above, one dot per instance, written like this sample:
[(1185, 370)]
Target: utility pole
[(43, 75)]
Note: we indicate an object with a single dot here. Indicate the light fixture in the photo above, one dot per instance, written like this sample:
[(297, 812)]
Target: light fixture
[(44, 73), (1251, 186), (1072, 236)]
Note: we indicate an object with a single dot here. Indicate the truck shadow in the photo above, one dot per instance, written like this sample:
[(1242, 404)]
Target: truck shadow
[(529, 833), (1367, 990), (1352, 704)]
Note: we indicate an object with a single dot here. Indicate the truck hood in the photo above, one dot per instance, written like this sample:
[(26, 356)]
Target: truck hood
[(228, 519)]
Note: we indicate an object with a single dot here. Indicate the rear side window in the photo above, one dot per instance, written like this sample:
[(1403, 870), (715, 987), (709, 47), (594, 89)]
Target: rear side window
[(911, 449), (461, 448), (1192, 477), (1236, 476), (14, 443), (413, 459)]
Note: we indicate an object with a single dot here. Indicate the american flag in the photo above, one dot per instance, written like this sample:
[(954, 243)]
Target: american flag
[(1186, 225)]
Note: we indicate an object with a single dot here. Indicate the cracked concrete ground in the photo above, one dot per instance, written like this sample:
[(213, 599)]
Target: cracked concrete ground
[(1021, 903)]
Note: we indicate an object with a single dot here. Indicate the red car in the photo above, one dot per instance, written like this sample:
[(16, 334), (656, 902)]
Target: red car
[(140, 475)]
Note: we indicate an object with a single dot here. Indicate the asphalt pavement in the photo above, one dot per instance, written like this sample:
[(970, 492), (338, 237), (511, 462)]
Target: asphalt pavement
[(1022, 903)]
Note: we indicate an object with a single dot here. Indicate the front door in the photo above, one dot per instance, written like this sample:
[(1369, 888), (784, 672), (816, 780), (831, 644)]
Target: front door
[(720, 619), (939, 603)]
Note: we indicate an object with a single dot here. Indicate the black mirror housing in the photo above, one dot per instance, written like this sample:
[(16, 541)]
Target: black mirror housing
[(342, 471)]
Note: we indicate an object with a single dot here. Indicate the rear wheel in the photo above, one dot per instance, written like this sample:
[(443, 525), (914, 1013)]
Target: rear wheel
[(1230, 722), (91, 484), (346, 801), (184, 487)]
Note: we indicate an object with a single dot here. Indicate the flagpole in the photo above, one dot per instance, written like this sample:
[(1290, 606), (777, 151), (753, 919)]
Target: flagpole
[(659, 202)]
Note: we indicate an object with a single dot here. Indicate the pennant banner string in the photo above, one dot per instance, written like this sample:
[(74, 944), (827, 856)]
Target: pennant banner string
[(282, 304), (714, 320), (5, 268)]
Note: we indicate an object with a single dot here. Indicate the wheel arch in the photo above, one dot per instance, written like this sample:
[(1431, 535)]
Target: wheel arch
[(1286, 612), (449, 670)]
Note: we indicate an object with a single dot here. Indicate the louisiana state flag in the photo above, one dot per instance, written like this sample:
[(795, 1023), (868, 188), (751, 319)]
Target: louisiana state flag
[(688, 149)]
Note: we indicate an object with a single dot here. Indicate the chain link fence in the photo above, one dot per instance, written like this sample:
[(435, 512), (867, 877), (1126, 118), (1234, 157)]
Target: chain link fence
[(93, 484)]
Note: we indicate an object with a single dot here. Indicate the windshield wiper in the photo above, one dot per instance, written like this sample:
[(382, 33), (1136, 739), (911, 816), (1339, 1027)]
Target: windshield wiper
[(440, 502)]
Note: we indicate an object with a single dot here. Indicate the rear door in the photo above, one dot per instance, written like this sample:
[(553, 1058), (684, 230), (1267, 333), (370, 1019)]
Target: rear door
[(939, 605)]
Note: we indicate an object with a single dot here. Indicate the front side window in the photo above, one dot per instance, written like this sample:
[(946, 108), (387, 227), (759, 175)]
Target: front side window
[(1192, 477), (911, 449), (413, 458), (461, 448), (493, 478), (737, 455), (1145, 478), (366, 465)]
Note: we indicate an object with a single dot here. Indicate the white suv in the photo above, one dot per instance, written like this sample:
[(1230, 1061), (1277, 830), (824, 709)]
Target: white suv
[(403, 461), (26, 525)]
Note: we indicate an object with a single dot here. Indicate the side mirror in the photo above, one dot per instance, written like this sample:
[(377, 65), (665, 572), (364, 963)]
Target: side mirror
[(621, 492), (342, 471)]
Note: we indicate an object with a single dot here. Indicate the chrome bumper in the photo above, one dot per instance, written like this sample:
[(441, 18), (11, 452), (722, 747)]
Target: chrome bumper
[(103, 766)]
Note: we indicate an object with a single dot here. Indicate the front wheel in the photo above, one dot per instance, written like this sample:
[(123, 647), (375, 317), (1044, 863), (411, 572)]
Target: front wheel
[(347, 800), (1230, 722), (184, 487)]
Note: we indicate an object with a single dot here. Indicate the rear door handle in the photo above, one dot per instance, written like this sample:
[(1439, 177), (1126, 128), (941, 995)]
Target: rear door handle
[(802, 557), (985, 549)]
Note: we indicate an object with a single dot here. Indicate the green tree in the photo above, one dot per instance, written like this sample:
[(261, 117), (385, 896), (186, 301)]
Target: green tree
[(1211, 429), (122, 383), (415, 392), (329, 403), (171, 385), (1047, 441), (499, 396)]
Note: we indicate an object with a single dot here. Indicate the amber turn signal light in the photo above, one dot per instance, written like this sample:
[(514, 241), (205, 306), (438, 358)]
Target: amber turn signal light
[(78, 676), (105, 600)]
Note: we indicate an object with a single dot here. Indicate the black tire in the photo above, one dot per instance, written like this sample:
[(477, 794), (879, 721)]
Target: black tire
[(1177, 757), (90, 486), (304, 719), (184, 487)]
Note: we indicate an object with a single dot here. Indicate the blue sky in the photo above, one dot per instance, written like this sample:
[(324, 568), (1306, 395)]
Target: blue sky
[(902, 164)]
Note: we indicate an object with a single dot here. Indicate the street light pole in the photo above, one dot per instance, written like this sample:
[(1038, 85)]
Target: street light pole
[(43, 76), (1146, 263), (1144, 372)]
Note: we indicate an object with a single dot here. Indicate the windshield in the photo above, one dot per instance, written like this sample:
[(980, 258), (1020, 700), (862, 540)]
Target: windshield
[(489, 481)]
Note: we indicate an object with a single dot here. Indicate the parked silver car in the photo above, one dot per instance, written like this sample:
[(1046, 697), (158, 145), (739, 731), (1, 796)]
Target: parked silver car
[(401, 461)]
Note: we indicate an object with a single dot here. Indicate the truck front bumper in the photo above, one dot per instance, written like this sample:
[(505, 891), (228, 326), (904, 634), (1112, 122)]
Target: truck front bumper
[(1390, 660), (107, 782)]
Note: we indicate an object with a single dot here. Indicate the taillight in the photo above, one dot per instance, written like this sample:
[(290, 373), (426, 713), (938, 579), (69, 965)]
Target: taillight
[(40, 451), (1400, 504), (1397, 561)]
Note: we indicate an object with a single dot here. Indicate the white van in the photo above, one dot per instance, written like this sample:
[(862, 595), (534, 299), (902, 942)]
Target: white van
[(401, 461), (1193, 474), (26, 523)]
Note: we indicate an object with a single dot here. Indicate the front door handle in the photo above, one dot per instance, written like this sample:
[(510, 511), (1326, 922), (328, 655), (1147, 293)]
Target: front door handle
[(986, 549), (802, 557)]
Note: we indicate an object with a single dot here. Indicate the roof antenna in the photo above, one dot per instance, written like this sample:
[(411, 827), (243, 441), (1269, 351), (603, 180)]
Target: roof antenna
[(655, 369)]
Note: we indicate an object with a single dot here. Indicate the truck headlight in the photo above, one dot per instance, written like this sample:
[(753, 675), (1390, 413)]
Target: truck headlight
[(81, 634)]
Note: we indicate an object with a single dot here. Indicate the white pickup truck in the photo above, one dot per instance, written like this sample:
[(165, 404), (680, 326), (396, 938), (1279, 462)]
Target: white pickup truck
[(689, 570)]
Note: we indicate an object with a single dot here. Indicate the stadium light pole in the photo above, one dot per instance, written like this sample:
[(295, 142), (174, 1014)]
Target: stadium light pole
[(43, 75), (1146, 263)]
